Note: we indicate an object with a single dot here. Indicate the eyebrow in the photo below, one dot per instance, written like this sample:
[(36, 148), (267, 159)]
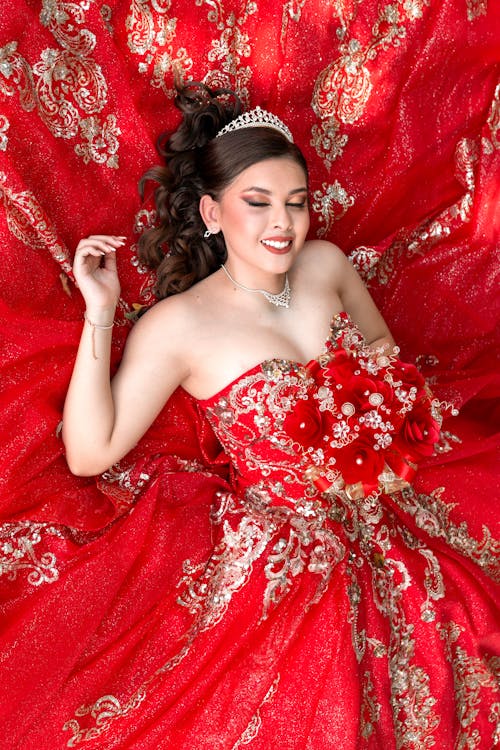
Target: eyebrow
[(257, 189)]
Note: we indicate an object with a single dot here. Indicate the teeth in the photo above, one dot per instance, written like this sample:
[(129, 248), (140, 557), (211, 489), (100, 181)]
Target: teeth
[(276, 244)]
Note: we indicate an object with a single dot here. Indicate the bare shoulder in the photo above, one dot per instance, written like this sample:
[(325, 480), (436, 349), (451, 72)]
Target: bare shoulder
[(324, 263), (166, 330)]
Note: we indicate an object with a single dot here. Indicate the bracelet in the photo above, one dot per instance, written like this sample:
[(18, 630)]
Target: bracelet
[(94, 326)]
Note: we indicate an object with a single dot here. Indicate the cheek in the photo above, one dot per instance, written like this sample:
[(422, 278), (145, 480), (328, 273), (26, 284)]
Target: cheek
[(304, 223)]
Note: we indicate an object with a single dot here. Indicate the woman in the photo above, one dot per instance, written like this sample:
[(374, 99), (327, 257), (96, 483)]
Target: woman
[(331, 609)]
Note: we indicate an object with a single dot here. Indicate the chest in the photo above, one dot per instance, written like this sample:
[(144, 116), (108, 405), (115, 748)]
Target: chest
[(226, 350)]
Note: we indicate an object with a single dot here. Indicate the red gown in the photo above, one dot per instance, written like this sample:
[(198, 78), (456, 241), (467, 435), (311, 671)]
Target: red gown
[(397, 109), (311, 599)]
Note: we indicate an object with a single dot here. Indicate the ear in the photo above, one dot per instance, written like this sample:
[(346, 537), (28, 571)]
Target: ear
[(209, 210)]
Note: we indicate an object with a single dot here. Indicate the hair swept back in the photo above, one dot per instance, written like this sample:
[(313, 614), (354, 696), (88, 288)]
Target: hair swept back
[(197, 163)]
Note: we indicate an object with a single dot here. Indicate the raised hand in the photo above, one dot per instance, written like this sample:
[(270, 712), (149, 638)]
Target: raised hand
[(95, 272)]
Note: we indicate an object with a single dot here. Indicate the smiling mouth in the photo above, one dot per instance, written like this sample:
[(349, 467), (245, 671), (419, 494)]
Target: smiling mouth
[(277, 245)]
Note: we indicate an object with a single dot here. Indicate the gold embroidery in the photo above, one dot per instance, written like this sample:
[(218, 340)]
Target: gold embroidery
[(370, 707), (342, 89), (494, 124), (292, 10), (231, 47), (29, 224), (151, 35), (107, 16), (431, 231), (434, 585), (15, 73), (365, 259), (307, 545), (472, 677), (414, 717), (4, 126), (144, 219), (208, 588), (324, 200), (102, 141), (494, 717), (17, 547), (103, 711), (255, 722), (476, 8), (123, 484), (432, 515), (66, 86)]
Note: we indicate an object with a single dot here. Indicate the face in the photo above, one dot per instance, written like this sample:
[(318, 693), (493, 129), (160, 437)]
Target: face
[(264, 217)]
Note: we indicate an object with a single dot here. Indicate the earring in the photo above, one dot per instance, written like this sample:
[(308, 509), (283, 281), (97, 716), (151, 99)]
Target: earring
[(207, 234)]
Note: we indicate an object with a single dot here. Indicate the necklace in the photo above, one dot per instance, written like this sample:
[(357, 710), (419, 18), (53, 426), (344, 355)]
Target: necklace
[(280, 300)]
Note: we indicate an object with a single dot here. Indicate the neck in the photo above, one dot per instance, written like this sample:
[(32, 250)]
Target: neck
[(280, 298)]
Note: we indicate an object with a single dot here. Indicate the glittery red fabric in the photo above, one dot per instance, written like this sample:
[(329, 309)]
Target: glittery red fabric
[(397, 110)]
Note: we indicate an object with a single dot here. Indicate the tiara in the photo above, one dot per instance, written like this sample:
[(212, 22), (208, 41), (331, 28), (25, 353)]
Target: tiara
[(257, 118)]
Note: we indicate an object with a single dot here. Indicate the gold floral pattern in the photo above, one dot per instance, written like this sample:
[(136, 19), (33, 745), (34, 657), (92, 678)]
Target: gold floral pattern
[(476, 8), (28, 223), (231, 48), (323, 204), (342, 89), (370, 707), (471, 676), (104, 711), (4, 126), (432, 514), (151, 34), (493, 142), (292, 11), (255, 722), (378, 267), (123, 484), (18, 553), (66, 86)]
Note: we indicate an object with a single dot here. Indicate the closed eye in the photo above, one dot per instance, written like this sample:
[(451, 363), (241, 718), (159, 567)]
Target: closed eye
[(259, 204)]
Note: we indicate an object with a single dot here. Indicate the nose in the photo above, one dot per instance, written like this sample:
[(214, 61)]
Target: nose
[(281, 218)]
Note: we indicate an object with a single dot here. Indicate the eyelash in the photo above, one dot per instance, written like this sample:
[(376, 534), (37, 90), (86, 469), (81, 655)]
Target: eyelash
[(257, 204)]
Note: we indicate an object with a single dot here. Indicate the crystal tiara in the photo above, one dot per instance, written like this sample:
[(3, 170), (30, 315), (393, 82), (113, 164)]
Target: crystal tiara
[(257, 118)]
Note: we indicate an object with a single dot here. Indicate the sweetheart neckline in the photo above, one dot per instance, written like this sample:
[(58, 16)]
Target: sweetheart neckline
[(342, 314)]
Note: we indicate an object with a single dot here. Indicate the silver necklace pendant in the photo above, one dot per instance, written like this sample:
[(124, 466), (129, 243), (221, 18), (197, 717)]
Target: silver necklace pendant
[(279, 300)]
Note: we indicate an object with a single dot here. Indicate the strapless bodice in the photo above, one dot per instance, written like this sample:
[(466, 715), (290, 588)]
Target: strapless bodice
[(353, 418)]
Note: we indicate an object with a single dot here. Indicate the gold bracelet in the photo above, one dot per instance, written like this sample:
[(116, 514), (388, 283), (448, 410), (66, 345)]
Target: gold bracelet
[(94, 326)]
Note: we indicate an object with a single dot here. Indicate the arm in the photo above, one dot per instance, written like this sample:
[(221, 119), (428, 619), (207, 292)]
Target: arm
[(103, 421), (355, 297), (359, 304)]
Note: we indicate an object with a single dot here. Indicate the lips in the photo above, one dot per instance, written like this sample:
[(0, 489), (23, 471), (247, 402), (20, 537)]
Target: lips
[(278, 245)]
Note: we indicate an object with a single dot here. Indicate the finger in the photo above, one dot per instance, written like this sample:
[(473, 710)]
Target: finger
[(110, 262), (91, 245), (83, 254), (109, 239)]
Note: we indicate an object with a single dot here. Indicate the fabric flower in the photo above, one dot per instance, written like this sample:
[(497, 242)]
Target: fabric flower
[(305, 424), (409, 375), (419, 431), (360, 462), (340, 367), (358, 390)]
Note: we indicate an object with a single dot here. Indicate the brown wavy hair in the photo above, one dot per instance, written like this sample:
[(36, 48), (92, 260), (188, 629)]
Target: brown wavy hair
[(197, 163)]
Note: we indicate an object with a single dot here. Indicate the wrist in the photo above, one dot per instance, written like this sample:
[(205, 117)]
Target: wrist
[(103, 327), (100, 317)]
